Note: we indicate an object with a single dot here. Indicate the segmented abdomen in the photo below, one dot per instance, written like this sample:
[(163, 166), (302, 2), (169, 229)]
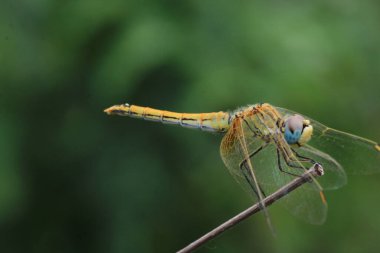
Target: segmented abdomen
[(214, 121)]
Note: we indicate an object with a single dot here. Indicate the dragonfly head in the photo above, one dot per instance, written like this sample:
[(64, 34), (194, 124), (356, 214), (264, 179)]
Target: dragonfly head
[(297, 130)]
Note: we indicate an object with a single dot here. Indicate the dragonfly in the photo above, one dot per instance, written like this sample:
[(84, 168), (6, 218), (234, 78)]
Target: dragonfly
[(265, 147)]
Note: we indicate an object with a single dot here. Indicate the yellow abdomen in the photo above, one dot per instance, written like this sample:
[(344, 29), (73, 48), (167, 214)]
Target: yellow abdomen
[(214, 121)]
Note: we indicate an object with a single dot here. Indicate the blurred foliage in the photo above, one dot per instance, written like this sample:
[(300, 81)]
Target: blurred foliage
[(74, 180)]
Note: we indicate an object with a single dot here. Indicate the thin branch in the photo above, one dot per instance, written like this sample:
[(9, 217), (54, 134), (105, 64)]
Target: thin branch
[(314, 171)]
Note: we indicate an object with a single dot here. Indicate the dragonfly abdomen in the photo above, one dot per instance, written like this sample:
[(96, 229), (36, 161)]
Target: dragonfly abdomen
[(213, 122)]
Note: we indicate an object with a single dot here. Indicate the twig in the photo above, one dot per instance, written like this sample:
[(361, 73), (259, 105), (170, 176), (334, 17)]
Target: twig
[(315, 171)]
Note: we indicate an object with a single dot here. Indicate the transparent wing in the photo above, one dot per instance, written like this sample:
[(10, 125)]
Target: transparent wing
[(334, 177), (235, 154), (357, 155), (305, 202)]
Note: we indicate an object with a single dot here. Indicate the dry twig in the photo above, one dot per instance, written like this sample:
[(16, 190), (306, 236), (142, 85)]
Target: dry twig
[(314, 171)]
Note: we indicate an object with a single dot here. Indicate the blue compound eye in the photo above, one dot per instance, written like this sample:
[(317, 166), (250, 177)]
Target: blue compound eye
[(293, 129), (292, 137)]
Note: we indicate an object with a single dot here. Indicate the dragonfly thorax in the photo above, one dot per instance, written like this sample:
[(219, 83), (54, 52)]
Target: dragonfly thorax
[(297, 130)]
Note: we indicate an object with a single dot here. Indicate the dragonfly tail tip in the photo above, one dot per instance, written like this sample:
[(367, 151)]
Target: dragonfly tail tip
[(118, 110), (110, 110)]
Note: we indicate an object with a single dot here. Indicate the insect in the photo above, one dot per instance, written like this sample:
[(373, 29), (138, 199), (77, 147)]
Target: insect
[(264, 147)]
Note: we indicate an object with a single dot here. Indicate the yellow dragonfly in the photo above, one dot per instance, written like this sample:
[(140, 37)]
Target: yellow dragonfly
[(264, 147)]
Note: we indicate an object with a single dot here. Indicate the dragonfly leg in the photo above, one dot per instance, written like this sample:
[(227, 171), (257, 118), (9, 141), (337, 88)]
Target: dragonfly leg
[(255, 131), (288, 163), (250, 183), (243, 165), (253, 154), (304, 158)]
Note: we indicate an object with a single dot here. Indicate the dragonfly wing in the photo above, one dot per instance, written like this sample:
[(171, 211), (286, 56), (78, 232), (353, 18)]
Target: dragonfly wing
[(233, 154), (357, 155), (304, 202), (334, 177)]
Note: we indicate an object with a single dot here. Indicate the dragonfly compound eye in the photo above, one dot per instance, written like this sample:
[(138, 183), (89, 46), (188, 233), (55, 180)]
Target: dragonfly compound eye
[(297, 130)]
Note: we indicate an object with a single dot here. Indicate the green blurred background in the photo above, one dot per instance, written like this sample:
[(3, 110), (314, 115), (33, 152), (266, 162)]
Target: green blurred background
[(73, 179)]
